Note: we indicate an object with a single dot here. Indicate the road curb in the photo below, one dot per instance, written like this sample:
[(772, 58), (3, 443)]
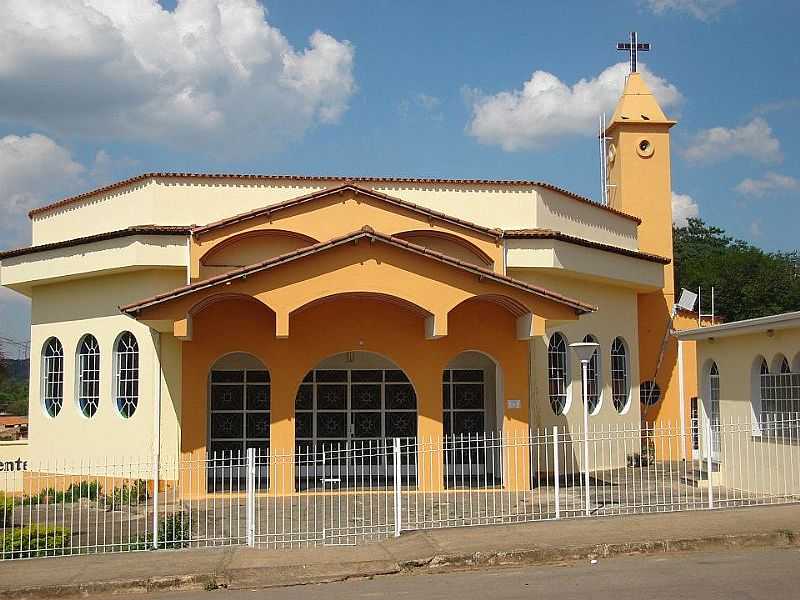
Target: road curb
[(199, 581), (532, 556), (264, 577)]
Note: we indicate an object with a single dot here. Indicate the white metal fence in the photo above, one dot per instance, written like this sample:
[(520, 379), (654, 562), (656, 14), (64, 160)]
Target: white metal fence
[(361, 491)]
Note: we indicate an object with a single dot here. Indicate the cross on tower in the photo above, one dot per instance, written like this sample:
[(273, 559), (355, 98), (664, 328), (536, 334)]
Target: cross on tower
[(633, 48)]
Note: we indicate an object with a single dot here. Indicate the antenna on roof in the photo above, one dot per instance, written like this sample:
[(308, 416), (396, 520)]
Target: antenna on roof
[(700, 315), (687, 300), (603, 139)]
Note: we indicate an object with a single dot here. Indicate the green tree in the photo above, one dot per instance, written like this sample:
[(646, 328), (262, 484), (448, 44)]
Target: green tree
[(13, 392), (748, 282)]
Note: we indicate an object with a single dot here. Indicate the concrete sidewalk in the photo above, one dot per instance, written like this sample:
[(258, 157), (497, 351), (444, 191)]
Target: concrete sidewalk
[(433, 550)]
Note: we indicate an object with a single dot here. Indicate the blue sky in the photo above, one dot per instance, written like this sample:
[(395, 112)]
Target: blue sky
[(89, 94)]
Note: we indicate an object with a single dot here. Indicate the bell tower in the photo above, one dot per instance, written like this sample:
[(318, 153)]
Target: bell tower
[(638, 167)]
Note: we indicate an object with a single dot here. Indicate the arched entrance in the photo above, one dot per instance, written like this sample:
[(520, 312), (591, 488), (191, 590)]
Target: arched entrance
[(238, 406), (345, 409), (473, 418)]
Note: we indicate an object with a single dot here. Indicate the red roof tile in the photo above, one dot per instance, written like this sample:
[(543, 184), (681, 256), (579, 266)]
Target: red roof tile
[(109, 235), (549, 234)]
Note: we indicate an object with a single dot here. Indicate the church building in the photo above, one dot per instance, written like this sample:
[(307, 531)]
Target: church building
[(193, 314)]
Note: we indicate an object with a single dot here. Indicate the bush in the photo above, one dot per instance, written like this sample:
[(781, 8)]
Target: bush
[(7, 504), (173, 533), (83, 489), (45, 496), (76, 491), (127, 495), (35, 540)]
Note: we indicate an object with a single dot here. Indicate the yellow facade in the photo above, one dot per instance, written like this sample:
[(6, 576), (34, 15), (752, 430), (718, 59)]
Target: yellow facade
[(640, 183)]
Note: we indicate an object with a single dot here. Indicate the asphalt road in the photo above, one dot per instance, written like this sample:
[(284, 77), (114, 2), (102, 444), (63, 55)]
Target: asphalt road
[(757, 574)]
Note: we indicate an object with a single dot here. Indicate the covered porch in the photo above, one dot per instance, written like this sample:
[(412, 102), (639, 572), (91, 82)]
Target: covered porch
[(322, 357)]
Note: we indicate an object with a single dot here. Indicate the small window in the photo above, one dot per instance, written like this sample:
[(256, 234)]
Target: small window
[(714, 409), (649, 393), (88, 376), (765, 382), (126, 374), (558, 373), (785, 366), (619, 375), (53, 377), (593, 378)]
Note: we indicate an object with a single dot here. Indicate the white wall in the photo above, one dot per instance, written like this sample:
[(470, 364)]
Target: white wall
[(200, 201), (70, 310)]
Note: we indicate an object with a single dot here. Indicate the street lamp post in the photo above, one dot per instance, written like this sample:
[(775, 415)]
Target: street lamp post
[(584, 351)]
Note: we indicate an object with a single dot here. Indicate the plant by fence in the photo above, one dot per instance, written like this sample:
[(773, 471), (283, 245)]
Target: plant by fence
[(353, 492)]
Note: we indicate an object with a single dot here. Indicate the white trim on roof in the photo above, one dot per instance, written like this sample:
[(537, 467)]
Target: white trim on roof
[(758, 325)]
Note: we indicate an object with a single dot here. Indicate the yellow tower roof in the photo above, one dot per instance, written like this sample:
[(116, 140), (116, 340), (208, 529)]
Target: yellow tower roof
[(638, 105)]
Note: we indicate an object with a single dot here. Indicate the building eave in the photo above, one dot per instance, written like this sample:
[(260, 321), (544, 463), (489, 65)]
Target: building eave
[(745, 327), (179, 230)]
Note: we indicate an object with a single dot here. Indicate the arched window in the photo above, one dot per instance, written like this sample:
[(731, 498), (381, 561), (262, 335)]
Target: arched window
[(780, 391), (558, 373), (784, 380), (126, 374), (619, 375), (713, 408), (53, 377), (649, 393), (765, 383), (88, 376), (593, 378)]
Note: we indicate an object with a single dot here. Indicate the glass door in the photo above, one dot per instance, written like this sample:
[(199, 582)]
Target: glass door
[(343, 418)]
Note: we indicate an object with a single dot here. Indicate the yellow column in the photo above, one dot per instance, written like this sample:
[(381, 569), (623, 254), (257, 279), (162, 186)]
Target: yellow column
[(430, 430), (516, 428), (281, 428)]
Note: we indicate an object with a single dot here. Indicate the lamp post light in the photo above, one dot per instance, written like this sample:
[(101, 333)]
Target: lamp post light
[(584, 351)]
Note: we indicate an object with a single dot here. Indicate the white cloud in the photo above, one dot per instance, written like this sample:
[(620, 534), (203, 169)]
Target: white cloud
[(755, 229), (771, 182), (704, 10), (754, 140), (546, 107), (683, 208), (35, 169), (211, 72), (32, 169), (15, 317)]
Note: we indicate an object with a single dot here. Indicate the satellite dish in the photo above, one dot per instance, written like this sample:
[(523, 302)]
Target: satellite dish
[(687, 301)]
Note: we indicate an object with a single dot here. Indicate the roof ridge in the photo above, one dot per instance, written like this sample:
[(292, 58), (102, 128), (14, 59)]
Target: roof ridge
[(187, 175)]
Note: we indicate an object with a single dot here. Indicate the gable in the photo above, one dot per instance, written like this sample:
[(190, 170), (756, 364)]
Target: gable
[(332, 213)]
